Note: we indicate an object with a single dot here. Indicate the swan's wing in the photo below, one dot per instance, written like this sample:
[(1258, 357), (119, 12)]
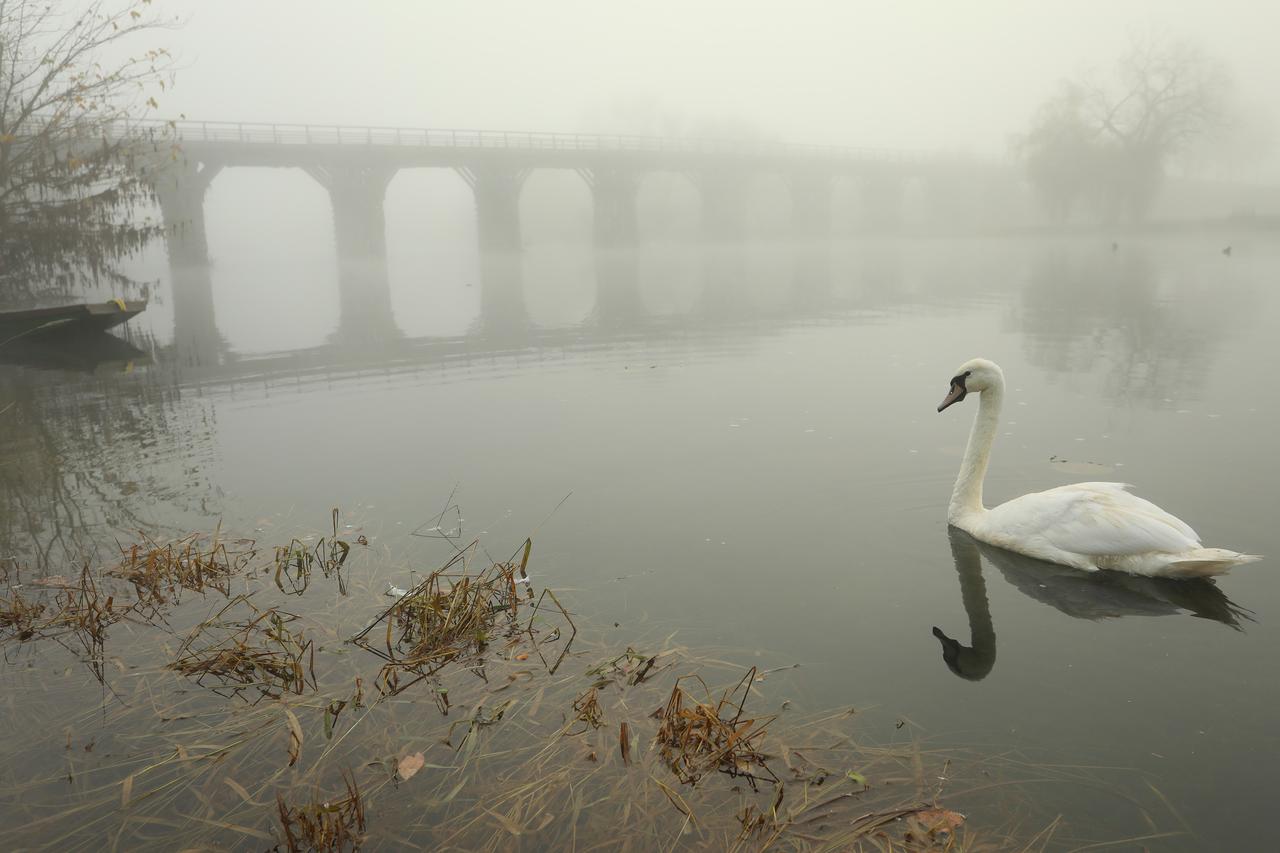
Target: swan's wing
[(1096, 519)]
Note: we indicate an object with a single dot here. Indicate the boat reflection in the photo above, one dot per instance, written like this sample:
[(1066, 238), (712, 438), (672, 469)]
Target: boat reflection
[(98, 353), (1081, 595)]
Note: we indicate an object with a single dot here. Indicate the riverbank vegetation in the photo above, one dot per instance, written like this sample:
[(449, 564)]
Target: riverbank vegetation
[(75, 161)]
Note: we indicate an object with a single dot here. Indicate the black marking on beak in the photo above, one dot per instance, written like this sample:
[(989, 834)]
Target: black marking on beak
[(957, 392)]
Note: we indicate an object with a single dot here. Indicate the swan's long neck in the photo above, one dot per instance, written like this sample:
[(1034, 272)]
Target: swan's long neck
[(966, 498)]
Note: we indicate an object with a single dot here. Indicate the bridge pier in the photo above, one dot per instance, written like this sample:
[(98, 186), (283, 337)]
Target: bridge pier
[(811, 274), (811, 195), (356, 194), (883, 199), (722, 295), (613, 192), (497, 194), (722, 204), (811, 204), (180, 189), (617, 286), (502, 309)]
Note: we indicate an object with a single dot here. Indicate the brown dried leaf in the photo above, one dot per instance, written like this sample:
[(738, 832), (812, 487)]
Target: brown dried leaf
[(410, 764), (939, 820)]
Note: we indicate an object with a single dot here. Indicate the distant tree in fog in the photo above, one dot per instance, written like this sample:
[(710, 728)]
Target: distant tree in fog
[(1060, 151), (1110, 144), (72, 165)]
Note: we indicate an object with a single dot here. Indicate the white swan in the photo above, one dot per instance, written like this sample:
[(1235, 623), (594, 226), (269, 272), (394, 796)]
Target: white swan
[(1088, 526)]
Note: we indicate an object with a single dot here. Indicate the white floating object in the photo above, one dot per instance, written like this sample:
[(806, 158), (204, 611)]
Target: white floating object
[(524, 579), (396, 591)]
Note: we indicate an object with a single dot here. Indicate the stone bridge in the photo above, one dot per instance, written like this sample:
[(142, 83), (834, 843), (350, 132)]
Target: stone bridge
[(356, 164)]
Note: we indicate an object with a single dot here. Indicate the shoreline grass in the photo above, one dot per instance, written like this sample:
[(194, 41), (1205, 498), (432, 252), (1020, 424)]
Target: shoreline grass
[(471, 712)]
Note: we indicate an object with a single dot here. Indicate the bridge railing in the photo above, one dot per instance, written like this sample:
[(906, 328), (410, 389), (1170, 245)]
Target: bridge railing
[(253, 133)]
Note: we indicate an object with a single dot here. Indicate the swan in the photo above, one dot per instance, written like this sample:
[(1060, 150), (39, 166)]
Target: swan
[(1089, 526)]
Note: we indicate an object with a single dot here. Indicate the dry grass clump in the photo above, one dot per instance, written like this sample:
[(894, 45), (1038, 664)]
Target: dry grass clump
[(455, 614), (80, 612), (295, 562), (586, 709), (696, 738), (629, 668), (77, 617), (160, 572), (258, 651), (332, 826), (85, 614), (20, 617)]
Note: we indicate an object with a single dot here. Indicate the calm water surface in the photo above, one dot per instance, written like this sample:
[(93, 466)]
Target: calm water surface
[(751, 455)]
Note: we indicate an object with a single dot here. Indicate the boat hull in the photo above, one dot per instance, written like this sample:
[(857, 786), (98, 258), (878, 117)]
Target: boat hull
[(67, 319)]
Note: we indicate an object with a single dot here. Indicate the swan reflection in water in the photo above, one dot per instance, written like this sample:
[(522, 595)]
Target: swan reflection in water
[(1083, 595)]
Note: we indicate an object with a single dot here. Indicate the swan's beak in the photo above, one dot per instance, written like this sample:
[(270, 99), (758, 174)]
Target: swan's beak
[(955, 395)]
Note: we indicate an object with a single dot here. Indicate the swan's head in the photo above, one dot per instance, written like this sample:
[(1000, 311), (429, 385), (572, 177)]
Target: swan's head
[(974, 376)]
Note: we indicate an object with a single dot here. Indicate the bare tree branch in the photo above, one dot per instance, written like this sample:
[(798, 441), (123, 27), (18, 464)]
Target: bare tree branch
[(72, 164)]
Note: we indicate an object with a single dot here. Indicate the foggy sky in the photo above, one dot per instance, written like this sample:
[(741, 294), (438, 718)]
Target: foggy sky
[(922, 74)]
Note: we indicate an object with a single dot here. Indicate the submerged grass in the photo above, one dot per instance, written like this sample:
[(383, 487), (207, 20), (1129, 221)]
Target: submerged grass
[(699, 737), (160, 572), (20, 617), (295, 562), (257, 651), (333, 826), (495, 722)]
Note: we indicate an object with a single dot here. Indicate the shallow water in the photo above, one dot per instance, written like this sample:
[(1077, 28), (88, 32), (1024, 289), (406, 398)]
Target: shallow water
[(742, 447)]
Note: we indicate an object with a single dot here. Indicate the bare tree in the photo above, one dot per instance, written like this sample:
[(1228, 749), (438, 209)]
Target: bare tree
[(74, 157), (1116, 140)]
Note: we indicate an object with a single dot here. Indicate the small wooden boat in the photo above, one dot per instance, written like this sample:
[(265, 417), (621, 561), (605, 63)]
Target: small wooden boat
[(67, 319)]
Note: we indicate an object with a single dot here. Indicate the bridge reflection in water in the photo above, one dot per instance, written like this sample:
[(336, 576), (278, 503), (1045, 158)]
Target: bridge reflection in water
[(718, 319)]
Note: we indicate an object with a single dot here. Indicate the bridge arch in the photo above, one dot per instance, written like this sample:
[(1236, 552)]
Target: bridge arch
[(433, 263), (668, 265), (558, 226), (266, 296)]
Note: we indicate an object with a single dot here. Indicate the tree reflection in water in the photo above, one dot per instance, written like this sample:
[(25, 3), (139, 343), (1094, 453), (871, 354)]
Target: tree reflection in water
[(87, 448)]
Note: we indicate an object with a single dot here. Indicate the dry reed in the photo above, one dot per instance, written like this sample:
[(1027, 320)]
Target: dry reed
[(259, 650)]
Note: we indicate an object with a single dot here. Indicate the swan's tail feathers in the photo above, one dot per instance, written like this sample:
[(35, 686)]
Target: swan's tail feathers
[(1207, 562)]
